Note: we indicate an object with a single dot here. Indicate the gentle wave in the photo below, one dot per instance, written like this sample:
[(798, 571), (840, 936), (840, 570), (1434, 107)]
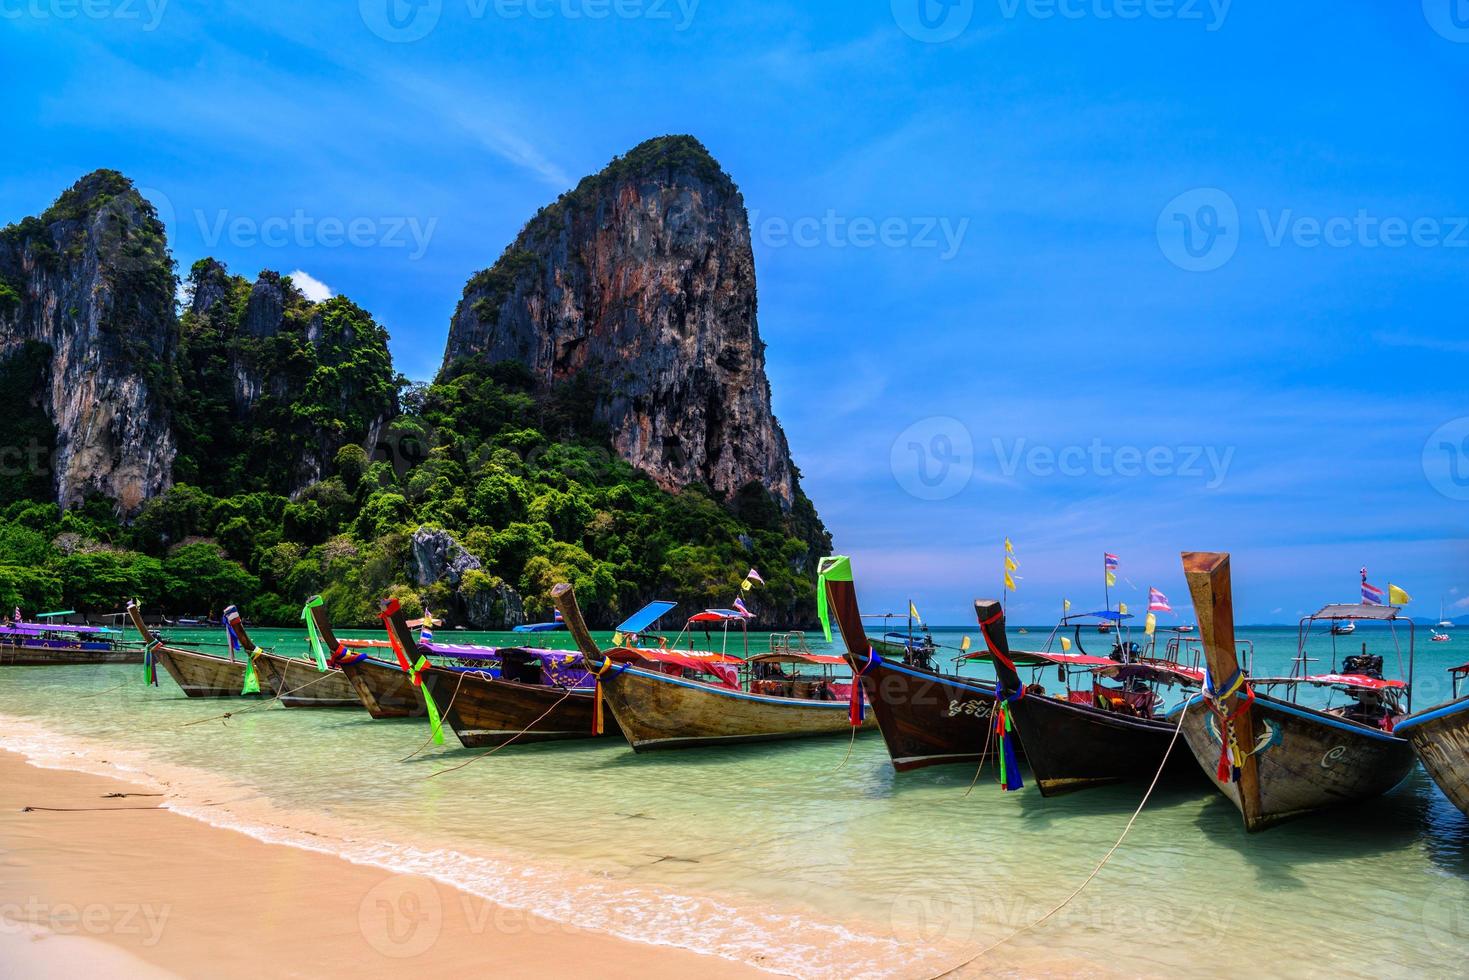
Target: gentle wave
[(777, 941)]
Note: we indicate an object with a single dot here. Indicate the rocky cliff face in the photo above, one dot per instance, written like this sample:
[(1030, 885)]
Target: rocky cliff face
[(641, 282), (91, 280)]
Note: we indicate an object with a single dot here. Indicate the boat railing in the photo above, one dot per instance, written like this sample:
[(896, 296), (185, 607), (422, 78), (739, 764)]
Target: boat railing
[(793, 642)]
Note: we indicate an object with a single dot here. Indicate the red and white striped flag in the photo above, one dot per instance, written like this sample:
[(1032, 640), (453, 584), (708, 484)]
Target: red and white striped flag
[(1157, 601)]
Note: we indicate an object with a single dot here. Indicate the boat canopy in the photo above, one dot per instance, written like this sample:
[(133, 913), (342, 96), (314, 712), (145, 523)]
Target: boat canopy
[(356, 644), (798, 658), (1031, 658), (36, 629), (719, 616), (645, 617), (1155, 672), (462, 651), (538, 627), (1339, 680), (693, 659), (1353, 611)]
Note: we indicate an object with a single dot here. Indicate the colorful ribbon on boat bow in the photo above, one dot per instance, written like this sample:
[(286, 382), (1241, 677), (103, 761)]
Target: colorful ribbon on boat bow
[(390, 607), (252, 678), (1005, 729), (599, 725), (313, 634), (1004, 721), (150, 666), (1230, 755), (343, 655), (856, 703), (434, 721), (837, 568)]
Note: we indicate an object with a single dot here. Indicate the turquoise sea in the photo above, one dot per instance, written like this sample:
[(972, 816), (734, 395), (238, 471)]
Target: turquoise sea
[(810, 858)]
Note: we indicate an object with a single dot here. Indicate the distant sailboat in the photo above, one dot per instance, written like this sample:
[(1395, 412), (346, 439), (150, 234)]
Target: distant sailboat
[(1442, 622)]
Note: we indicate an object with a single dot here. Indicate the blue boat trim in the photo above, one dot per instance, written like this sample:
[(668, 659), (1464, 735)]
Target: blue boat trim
[(1442, 711), (1287, 708)]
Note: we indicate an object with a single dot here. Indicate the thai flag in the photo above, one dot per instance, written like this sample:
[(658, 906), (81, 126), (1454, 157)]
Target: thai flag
[(1158, 602), (558, 615), (1110, 561), (1371, 594), (740, 608)]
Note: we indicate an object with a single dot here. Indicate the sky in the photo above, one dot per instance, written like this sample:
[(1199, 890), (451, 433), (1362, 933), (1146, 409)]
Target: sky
[(1128, 276)]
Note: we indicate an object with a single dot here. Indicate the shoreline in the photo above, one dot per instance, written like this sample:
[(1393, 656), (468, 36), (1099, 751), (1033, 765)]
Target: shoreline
[(126, 885)]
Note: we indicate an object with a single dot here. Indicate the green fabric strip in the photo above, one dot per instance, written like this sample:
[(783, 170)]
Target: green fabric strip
[(252, 679), (313, 635), (434, 721), (837, 568)]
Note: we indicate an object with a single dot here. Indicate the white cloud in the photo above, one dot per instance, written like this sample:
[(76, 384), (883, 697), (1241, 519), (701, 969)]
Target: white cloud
[(1462, 603), (314, 289)]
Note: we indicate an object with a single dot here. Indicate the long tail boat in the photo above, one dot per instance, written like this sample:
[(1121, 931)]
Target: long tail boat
[(494, 697), (198, 674), (302, 683), (386, 689), (1440, 739), (927, 718), (44, 644), (1273, 757), (1094, 736), (667, 699)]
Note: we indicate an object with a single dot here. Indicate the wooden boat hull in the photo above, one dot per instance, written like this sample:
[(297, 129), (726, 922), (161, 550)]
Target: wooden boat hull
[(204, 675), (60, 656), (1072, 746), (298, 683), (1307, 760), (487, 712), (1440, 739), (656, 711), (928, 719), (384, 689)]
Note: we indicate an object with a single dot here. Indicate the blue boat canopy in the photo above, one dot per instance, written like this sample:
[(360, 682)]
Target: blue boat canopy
[(645, 617), (538, 627), (1111, 615)]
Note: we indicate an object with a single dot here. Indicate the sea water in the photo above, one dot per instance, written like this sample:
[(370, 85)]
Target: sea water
[(811, 858)]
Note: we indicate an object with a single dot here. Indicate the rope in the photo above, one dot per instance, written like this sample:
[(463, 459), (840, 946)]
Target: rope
[(1095, 871), (447, 708), (259, 704), (989, 737), (566, 694), (850, 745)]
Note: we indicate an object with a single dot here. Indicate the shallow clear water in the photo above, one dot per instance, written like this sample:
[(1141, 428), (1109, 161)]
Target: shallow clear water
[(784, 854)]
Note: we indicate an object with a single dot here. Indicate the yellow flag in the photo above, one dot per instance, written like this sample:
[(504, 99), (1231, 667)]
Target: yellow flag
[(1397, 597), (747, 585), (913, 611), (1009, 582), (1111, 579), (1010, 564), (964, 646), (617, 639), (1065, 644), (1122, 609), (1150, 624), (1009, 548), (1066, 605)]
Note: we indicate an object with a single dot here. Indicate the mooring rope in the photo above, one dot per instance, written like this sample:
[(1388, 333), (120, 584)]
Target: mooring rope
[(989, 736), (1095, 871), (443, 717), (497, 748), (259, 704)]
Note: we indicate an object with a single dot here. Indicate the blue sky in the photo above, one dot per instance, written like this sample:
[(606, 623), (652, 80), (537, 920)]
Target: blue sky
[(997, 244)]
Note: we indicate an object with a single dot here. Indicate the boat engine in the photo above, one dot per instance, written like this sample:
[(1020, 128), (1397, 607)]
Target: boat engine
[(1366, 664)]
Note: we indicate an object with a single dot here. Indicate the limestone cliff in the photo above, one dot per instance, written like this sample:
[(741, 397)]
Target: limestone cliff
[(276, 384), (641, 283), (90, 284)]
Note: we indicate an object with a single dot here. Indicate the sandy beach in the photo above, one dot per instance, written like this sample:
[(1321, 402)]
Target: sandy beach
[(92, 880)]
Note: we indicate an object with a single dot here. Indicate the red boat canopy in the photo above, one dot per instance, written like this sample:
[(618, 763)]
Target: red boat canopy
[(1029, 658), (353, 644), (1339, 680), (693, 660)]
